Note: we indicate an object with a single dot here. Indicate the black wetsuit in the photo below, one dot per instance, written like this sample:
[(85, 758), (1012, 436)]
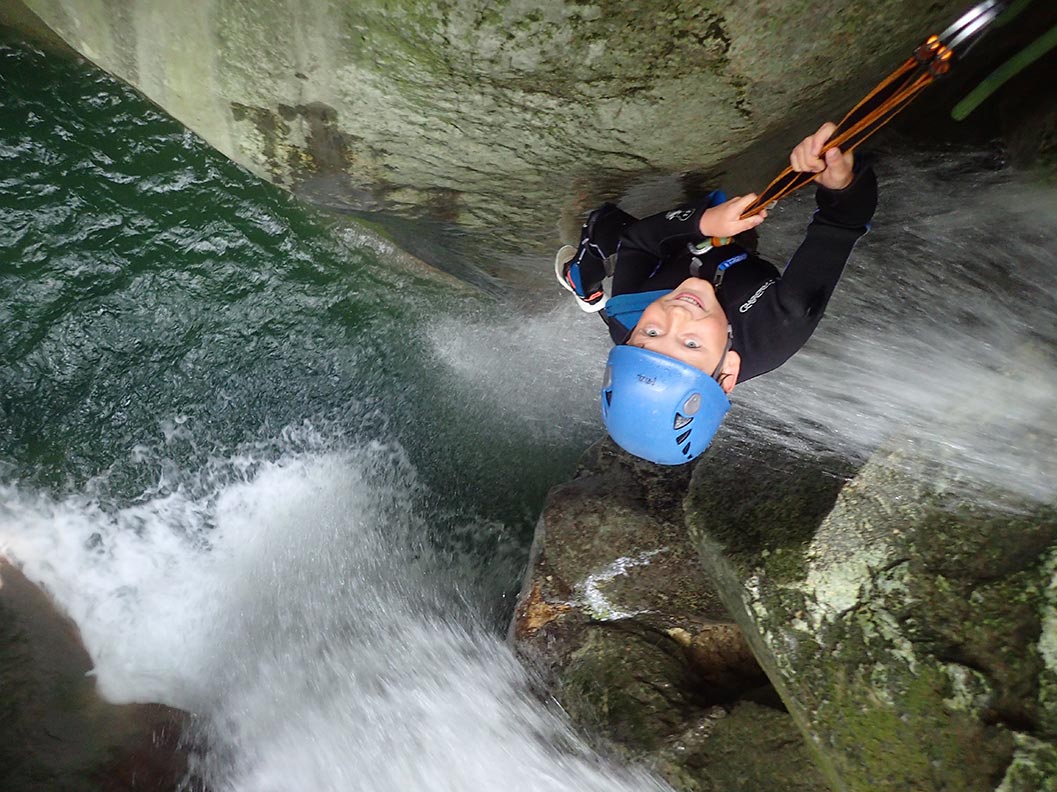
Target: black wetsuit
[(772, 315)]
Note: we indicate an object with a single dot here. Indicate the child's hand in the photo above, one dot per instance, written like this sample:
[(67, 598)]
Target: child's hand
[(725, 220), (834, 168)]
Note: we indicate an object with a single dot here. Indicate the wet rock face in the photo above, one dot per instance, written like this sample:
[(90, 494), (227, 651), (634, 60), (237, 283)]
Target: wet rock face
[(634, 643), (909, 632), (1029, 120), (55, 731), (489, 113)]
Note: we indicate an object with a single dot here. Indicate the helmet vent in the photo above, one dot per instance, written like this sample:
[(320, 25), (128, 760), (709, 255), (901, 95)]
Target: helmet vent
[(609, 397), (682, 438), (681, 421), (686, 450)]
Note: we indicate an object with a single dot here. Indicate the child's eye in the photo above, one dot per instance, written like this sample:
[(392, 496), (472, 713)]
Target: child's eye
[(652, 332), (692, 344)]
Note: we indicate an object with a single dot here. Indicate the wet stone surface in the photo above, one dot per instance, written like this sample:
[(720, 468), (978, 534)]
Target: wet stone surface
[(55, 731), (907, 628), (634, 642)]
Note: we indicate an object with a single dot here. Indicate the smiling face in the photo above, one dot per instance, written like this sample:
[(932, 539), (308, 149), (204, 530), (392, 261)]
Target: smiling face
[(690, 325)]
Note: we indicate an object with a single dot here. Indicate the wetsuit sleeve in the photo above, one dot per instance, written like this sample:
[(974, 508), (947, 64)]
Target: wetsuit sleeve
[(646, 244), (843, 216)]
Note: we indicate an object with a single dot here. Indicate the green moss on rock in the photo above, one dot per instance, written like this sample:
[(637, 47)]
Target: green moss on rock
[(761, 506), (637, 693), (528, 111), (913, 638)]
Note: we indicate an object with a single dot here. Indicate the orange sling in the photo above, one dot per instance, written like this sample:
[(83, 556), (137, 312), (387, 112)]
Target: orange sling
[(930, 60)]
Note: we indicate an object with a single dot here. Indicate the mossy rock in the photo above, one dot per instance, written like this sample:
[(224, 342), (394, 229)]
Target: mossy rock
[(491, 115), (632, 639), (909, 628)]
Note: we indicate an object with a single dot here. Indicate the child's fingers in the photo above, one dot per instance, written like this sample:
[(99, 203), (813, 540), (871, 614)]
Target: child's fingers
[(807, 156), (837, 158), (802, 158), (738, 206), (839, 168), (834, 160), (820, 138), (738, 226), (749, 222), (741, 202)]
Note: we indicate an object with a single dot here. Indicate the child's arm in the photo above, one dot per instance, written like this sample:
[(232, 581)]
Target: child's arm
[(812, 274), (645, 245), (846, 203)]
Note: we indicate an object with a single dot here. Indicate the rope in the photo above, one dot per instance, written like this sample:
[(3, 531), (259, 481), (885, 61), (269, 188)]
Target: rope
[(889, 97)]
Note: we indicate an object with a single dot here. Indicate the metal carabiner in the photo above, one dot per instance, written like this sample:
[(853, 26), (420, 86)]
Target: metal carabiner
[(967, 29)]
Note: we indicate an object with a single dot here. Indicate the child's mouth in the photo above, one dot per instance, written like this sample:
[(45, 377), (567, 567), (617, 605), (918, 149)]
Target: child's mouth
[(689, 298)]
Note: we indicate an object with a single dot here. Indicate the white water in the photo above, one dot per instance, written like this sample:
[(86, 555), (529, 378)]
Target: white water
[(942, 334), (287, 597), (541, 370), (289, 601)]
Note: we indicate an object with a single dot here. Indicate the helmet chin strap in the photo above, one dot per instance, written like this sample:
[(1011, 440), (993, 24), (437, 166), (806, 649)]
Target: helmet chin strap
[(723, 357)]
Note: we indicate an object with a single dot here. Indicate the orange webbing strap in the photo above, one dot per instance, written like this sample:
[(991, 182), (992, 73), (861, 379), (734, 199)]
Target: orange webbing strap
[(875, 110), (929, 61), (851, 138)]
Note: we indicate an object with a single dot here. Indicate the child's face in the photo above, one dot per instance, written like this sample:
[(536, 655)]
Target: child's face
[(687, 324)]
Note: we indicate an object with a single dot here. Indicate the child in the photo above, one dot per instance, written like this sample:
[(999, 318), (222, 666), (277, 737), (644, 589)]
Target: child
[(694, 311)]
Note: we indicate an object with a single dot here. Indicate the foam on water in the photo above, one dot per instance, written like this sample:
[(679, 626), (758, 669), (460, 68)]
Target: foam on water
[(291, 602), (286, 592)]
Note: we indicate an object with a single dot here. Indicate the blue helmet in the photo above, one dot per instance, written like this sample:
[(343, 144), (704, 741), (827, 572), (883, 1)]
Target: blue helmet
[(660, 408)]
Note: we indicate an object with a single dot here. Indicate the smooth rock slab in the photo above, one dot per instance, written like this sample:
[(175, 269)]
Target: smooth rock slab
[(491, 114), (633, 641), (910, 632)]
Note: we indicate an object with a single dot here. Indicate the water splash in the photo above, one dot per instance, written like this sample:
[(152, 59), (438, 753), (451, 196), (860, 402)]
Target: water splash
[(942, 333), (302, 591), (293, 604), (542, 370)]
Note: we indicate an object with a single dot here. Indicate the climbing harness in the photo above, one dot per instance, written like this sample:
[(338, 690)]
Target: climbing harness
[(931, 60)]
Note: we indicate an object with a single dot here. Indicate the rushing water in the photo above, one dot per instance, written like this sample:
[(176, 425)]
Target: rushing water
[(942, 336), (277, 477), (285, 481)]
